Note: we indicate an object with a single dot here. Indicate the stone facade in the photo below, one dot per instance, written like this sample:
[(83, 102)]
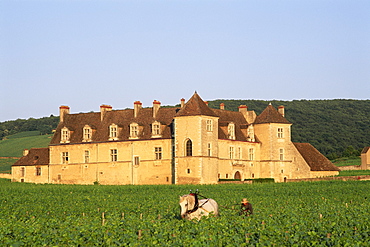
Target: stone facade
[(365, 158), (191, 144)]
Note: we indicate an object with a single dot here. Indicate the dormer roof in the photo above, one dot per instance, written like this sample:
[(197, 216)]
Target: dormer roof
[(195, 107), (270, 115)]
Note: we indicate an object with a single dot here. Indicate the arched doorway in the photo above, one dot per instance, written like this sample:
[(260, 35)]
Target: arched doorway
[(237, 175)]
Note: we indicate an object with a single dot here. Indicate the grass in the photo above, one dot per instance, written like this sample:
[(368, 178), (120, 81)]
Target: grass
[(347, 161), (354, 173), (6, 164), (14, 147), (24, 134)]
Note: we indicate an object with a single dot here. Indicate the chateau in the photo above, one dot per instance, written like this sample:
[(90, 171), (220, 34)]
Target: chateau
[(190, 144)]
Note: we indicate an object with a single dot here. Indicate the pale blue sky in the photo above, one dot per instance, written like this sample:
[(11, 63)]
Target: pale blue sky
[(87, 53)]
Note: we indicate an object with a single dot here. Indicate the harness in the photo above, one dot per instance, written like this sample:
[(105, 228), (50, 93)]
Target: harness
[(196, 204)]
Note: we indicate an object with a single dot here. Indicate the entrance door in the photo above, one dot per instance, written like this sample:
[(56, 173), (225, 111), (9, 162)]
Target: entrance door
[(237, 175)]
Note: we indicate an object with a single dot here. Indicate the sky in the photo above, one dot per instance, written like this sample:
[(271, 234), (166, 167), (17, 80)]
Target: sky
[(87, 53)]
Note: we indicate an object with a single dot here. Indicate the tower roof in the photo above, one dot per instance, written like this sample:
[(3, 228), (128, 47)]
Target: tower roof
[(270, 115), (195, 107)]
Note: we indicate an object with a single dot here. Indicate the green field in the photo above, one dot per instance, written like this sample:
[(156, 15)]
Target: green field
[(6, 164), (13, 147), (328, 213), (347, 161)]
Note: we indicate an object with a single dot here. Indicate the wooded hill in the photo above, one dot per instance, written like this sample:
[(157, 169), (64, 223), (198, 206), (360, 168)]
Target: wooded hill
[(336, 128)]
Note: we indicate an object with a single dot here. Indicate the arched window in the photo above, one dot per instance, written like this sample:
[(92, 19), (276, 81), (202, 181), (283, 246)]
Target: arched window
[(189, 148)]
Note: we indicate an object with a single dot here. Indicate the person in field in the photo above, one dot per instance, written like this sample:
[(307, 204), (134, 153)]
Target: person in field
[(246, 207)]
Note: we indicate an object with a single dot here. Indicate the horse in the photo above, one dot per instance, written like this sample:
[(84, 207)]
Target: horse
[(192, 208)]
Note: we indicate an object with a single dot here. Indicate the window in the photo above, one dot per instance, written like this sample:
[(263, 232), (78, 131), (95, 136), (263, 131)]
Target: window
[(136, 161), (239, 153), (65, 135), (38, 171), (209, 125), (189, 148), (87, 133), (280, 133), (281, 154), (113, 155), (113, 132), (65, 158), (158, 153), (231, 153), (231, 131), (87, 156), (134, 131), (209, 149), (251, 154), (23, 171), (188, 171), (251, 133), (156, 129)]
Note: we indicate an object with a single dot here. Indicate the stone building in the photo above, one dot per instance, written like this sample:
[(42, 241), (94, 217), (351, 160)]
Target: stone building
[(365, 158), (190, 144)]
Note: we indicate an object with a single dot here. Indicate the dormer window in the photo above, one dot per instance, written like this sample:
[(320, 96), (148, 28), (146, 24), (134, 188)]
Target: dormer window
[(251, 133), (156, 129), (134, 131), (231, 131), (113, 132), (65, 135), (87, 134)]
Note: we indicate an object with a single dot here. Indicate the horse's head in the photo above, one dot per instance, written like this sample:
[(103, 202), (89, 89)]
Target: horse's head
[(187, 202)]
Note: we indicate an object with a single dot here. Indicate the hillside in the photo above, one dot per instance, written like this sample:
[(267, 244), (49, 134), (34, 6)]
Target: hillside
[(13, 147)]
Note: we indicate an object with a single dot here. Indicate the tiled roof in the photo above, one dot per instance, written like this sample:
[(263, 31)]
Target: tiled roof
[(35, 156), (122, 118), (226, 117), (195, 107), (315, 160), (364, 151), (270, 115)]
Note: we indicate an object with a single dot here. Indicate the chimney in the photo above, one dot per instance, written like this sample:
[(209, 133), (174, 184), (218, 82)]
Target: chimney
[(63, 111), (25, 152), (137, 107), (182, 102), (156, 106), (222, 106), (243, 108), (103, 110), (281, 110)]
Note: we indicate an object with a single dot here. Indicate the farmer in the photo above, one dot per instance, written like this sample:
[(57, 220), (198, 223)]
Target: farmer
[(246, 208)]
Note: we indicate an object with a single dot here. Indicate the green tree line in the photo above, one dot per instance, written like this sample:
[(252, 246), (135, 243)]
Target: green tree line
[(44, 125), (337, 128)]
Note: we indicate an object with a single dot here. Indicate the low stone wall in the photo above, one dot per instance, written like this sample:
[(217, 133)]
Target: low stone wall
[(343, 178), (6, 175), (234, 182), (349, 168)]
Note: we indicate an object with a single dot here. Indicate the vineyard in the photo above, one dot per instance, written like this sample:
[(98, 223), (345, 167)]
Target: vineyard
[(329, 213)]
